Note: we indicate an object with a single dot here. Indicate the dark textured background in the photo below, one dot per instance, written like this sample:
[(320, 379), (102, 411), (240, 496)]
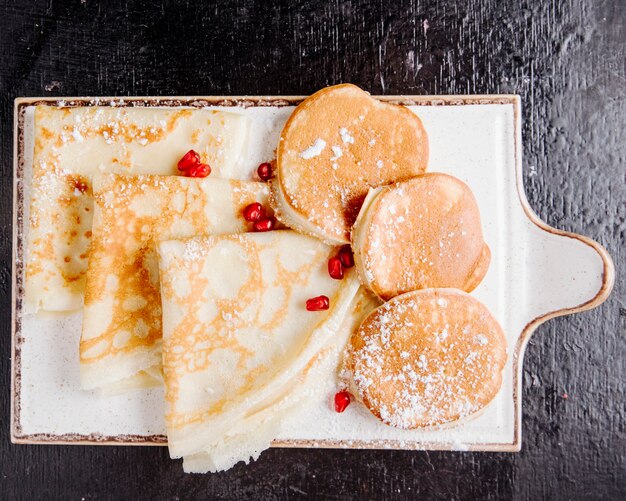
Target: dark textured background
[(566, 59)]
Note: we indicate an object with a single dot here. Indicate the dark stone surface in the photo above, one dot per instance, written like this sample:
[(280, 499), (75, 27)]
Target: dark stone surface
[(565, 58)]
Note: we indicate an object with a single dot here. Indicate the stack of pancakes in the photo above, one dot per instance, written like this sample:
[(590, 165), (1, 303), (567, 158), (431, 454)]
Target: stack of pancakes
[(350, 168)]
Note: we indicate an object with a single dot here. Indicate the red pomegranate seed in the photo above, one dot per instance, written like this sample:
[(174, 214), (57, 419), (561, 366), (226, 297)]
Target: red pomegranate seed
[(189, 160), (342, 400), (265, 224), (253, 212), (318, 303), (265, 171), (346, 256), (200, 170), (335, 269)]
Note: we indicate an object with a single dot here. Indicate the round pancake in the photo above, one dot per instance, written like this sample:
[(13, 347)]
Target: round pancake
[(427, 358), (337, 144), (418, 234)]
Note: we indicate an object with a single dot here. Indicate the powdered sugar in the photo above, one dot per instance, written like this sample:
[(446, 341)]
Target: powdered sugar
[(481, 339), (314, 150), (78, 137), (337, 152), (438, 375), (346, 137)]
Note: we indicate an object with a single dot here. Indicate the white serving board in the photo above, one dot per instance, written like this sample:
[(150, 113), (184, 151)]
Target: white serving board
[(536, 273)]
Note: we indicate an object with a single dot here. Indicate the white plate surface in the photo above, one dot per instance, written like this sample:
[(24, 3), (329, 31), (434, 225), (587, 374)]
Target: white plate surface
[(536, 272)]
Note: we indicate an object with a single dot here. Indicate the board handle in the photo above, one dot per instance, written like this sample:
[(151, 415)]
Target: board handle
[(567, 273)]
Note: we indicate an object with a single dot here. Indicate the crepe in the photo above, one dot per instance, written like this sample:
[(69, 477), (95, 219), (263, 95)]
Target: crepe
[(121, 336), (249, 436), (337, 144), (73, 144), (238, 344)]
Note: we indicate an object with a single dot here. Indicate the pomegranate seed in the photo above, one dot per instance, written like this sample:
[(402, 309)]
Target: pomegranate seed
[(189, 160), (200, 170), (342, 400), (335, 269), (346, 257), (265, 224), (265, 171), (318, 303), (253, 212)]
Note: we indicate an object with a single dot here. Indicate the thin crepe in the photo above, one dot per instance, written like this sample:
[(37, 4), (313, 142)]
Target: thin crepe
[(248, 437), (238, 344), (74, 144), (121, 337)]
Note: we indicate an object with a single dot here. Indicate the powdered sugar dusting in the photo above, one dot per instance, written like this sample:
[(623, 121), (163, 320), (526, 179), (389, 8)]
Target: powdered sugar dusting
[(194, 250), (346, 137), (314, 150), (481, 339), (337, 152), (418, 366)]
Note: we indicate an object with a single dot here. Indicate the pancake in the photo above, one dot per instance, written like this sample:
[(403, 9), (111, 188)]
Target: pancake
[(73, 144), (337, 144), (121, 338), (253, 434), (238, 343), (428, 357), (418, 234)]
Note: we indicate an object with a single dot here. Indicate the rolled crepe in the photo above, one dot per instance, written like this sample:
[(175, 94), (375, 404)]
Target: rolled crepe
[(120, 345), (73, 144), (239, 345)]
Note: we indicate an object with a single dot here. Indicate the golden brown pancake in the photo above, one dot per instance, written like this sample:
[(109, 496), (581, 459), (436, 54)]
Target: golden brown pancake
[(418, 234), (337, 144), (428, 357)]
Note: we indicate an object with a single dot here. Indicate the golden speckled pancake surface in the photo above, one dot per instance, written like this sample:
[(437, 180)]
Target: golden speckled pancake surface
[(238, 341), (74, 144), (122, 331), (421, 233), (337, 144), (428, 357)]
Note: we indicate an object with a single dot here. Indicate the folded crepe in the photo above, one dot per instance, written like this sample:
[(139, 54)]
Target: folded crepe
[(120, 345), (248, 437), (73, 144), (240, 351)]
